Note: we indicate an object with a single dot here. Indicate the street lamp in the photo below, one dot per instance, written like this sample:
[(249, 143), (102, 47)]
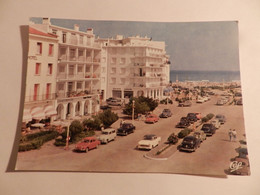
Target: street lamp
[(133, 111), (67, 138)]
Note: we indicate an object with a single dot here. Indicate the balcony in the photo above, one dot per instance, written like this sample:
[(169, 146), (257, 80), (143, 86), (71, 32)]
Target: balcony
[(40, 98), (76, 94), (78, 76)]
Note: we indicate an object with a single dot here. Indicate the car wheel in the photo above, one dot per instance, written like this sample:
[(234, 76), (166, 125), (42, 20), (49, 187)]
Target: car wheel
[(86, 150)]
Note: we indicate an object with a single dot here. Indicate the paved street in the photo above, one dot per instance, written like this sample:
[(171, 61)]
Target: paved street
[(120, 155)]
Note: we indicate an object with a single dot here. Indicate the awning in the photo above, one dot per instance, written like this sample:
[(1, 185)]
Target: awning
[(27, 115), (38, 113), (50, 111)]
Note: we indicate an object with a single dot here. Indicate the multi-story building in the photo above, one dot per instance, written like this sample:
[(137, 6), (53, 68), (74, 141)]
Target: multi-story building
[(41, 75), (78, 70), (136, 66)]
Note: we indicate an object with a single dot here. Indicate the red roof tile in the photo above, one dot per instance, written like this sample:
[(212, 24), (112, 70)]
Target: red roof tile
[(37, 32)]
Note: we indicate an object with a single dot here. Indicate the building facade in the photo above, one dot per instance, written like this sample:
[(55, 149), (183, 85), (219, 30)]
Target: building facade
[(77, 73), (41, 75), (136, 66)]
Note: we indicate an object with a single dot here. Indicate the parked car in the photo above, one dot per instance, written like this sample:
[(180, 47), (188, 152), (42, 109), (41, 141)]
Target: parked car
[(190, 144), (125, 129), (150, 141), (200, 135), (87, 144), (107, 135), (239, 102), (192, 117), (166, 113), (216, 123), (116, 102), (220, 102), (184, 122), (221, 118), (105, 107), (151, 118), (185, 104), (200, 99), (209, 129)]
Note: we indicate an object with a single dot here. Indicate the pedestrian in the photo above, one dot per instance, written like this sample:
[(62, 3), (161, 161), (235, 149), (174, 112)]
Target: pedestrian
[(230, 134), (234, 134)]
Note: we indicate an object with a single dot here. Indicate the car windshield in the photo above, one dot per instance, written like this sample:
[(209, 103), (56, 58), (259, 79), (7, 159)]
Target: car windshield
[(86, 141), (105, 133), (188, 139), (219, 116), (125, 126), (150, 116), (148, 137)]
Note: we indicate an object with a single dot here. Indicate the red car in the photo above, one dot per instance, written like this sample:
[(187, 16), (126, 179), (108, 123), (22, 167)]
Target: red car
[(87, 144), (151, 118)]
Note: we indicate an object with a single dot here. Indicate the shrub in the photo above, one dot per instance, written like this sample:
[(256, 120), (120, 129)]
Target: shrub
[(210, 116), (75, 128), (207, 118), (183, 133), (107, 118), (36, 141), (172, 139), (92, 124)]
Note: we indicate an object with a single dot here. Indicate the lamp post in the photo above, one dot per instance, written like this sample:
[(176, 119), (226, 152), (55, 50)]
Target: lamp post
[(67, 138), (133, 110)]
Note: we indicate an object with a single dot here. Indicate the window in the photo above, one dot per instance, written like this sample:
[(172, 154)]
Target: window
[(61, 86), (51, 49), (36, 91), (64, 37), (113, 60), (48, 90), (81, 39), (39, 48), (79, 85), (80, 68), (122, 60), (61, 69), (54, 31), (37, 68), (50, 69)]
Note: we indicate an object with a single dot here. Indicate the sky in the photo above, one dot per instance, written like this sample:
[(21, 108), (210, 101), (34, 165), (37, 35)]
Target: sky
[(202, 46)]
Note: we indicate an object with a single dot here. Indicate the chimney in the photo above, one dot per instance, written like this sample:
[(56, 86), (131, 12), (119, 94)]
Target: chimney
[(90, 31), (76, 27), (46, 21)]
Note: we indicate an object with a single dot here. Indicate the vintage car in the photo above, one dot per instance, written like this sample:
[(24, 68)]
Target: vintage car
[(209, 129), (185, 104), (149, 142), (221, 118), (115, 102), (152, 118), (166, 113), (87, 144), (192, 117), (200, 99), (184, 122), (190, 144), (216, 123), (107, 135), (125, 129), (200, 135)]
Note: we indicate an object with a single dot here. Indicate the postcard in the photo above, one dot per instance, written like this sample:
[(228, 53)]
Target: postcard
[(133, 97)]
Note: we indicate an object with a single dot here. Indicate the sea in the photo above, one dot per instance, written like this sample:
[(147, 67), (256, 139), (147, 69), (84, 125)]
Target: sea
[(212, 76)]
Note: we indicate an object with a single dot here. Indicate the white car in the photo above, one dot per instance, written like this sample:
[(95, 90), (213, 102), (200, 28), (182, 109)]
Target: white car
[(216, 123), (149, 142), (107, 135), (200, 100)]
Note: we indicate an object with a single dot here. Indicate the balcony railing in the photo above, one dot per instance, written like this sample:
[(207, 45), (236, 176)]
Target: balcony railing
[(79, 76), (38, 98), (79, 59), (75, 94)]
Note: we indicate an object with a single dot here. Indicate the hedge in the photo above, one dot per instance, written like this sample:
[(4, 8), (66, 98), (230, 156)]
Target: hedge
[(36, 141), (183, 133)]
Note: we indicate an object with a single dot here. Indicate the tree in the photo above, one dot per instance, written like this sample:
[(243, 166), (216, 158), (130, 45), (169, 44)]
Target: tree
[(92, 124), (107, 118), (75, 128), (142, 105)]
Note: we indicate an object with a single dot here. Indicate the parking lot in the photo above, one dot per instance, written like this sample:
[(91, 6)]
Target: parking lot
[(121, 155)]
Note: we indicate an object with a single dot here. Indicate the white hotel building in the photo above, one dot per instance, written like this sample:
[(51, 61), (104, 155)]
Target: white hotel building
[(69, 71), (77, 73), (135, 66)]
